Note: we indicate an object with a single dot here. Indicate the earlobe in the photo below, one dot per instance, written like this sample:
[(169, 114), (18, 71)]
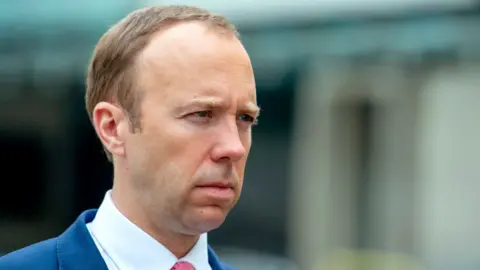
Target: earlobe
[(107, 120)]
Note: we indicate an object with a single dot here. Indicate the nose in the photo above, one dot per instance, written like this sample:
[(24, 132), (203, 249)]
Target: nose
[(229, 144)]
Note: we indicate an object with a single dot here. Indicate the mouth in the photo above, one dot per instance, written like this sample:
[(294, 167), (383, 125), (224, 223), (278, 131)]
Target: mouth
[(218, 190), (219, 185)]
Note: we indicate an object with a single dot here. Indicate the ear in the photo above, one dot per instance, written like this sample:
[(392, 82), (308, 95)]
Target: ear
[(110, 122)]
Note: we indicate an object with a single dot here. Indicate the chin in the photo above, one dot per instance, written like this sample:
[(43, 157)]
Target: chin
[(207, 218)]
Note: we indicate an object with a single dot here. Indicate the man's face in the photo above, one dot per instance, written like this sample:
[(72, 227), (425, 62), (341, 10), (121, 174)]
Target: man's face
[(197, 112)]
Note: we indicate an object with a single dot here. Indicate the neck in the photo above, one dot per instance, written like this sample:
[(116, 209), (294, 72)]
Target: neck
[(133, 209)]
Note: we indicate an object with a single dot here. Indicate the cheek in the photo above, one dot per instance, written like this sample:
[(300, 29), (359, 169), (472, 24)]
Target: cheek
[(149, 151), (241, 164), (240, 168), (178, 153), (246, 139)]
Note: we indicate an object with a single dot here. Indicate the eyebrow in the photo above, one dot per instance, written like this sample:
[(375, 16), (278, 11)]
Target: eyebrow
[(253, 109), (205, 102), (212, 102)]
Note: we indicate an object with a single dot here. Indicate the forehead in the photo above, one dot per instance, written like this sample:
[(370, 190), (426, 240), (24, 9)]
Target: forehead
[(194, 57)]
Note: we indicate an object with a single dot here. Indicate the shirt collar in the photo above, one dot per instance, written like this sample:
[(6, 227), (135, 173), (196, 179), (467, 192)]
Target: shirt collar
[(132, 248)]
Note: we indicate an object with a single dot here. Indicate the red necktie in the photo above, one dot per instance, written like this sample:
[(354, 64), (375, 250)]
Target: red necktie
[(183, 266)]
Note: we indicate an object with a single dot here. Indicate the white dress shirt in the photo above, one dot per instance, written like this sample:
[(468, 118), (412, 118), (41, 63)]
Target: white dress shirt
[(124, 246)]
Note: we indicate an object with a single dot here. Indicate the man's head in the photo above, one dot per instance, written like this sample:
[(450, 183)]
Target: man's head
[(171, 94)]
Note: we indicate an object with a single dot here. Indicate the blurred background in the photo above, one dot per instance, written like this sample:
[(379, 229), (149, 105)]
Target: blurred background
[(367, 152)]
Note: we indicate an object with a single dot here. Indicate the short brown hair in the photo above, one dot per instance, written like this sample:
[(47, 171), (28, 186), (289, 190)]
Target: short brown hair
[(111, 74)]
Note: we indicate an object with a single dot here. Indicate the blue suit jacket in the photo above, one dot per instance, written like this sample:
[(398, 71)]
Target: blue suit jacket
[(72, 250)]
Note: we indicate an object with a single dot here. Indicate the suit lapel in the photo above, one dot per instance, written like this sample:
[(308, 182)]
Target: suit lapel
[(214, 261), (76, 249)]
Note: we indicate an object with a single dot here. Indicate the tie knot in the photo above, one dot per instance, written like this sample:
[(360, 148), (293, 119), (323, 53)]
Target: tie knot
[(183, 266)]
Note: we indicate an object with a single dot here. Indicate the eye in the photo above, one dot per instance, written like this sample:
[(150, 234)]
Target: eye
[(203, 114), (200, 116), (248, 118)]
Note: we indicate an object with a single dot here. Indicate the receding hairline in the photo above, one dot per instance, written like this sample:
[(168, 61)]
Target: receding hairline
[(224, 29), (181, 38), (216, 22), (209, 26), (141, 59)]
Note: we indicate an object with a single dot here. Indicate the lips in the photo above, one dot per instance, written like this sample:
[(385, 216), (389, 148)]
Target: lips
[(219, 191), (219, 184)]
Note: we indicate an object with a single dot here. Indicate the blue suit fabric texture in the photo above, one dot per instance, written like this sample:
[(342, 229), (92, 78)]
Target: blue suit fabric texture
[(72, 250)]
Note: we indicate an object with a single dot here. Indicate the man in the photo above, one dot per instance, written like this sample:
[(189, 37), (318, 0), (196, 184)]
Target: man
[(171, 95)]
